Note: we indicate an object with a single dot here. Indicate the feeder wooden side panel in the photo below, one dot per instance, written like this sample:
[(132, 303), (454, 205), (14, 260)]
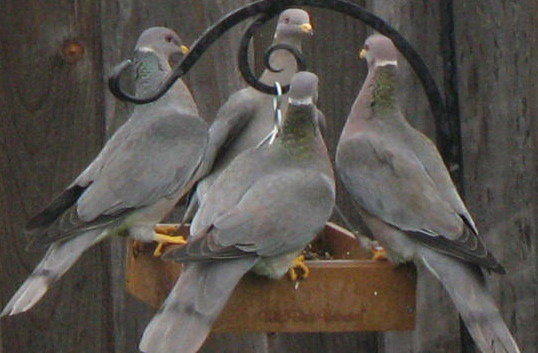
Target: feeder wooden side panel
[(339, 295)]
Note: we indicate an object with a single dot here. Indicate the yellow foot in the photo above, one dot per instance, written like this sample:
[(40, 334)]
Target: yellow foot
[(165, 240), (379, 253), (298, 271), (166, 229)]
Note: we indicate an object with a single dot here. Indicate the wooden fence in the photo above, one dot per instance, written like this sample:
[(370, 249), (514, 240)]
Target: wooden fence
[(56, 114)]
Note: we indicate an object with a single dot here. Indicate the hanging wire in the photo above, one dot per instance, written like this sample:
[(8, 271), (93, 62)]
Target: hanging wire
[(244, 66), (277, 116), (277, 107)]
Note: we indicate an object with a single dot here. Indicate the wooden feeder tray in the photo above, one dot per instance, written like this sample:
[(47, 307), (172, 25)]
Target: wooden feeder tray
[(347, 293)]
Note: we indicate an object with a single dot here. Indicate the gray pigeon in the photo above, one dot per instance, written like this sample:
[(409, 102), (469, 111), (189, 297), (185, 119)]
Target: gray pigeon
[(407, 199), (247, 116), (136, 179), (262, 210)]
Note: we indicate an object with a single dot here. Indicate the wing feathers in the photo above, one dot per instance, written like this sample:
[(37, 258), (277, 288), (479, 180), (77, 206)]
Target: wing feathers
[(58, 206), (391, 183), (467, 247)]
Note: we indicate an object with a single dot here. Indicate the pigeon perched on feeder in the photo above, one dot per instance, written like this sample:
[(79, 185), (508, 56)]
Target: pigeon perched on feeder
[(262, 210), (408, 200), (137, 178), (247, 116)]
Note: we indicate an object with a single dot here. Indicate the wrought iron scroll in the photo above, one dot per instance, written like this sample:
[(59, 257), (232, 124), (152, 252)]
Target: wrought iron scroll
[(267, 9), (244, 66)]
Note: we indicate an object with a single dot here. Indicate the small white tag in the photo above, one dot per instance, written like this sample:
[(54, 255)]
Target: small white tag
[(305, 101), (146, 50), (386, 63)]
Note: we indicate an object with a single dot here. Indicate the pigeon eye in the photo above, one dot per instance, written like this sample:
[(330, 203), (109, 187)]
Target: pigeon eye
[(366, 47), (287, 20), (169, 38)]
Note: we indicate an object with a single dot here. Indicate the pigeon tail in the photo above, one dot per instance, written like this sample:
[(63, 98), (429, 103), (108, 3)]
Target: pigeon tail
[(464, 283), (195, 302), (59, 258)]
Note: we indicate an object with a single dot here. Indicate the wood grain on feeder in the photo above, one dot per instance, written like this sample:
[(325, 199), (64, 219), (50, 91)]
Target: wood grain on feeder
[(347, 293)]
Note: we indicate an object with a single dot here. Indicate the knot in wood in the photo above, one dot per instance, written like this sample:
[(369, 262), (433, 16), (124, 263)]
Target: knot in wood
[(72, 51)]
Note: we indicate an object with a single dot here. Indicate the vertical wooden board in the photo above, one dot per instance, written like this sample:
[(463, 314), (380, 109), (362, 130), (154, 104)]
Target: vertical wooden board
[(496, 56), (336, 45), (234, 343), (333, 55), (211, 81), (420, 23), (330, 343), (51, 127)]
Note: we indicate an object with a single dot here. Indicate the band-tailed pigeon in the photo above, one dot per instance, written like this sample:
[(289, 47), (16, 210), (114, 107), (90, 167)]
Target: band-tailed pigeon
[(261, 211), (247, 116), (137, 178), (408, 200)]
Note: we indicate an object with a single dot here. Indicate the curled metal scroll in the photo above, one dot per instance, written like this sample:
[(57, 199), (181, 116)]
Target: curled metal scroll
[(244, 66), (270, 8)]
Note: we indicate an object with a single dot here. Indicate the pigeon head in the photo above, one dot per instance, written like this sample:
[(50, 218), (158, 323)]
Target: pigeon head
[(162, 42), (379, 50), (301, 124), (293, 24), (303, 89)]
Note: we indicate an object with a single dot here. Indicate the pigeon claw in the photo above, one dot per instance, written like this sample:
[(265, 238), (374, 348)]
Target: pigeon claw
[(164, 240), (379, 253), (298, 270)]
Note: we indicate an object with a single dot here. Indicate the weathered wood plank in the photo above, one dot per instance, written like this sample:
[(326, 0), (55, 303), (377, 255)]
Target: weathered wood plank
[(221, 66), (496, 56), (52, 126), (420, 23), (58, 130), (213, 78), (331, 343), (332, 54), (336, 45)]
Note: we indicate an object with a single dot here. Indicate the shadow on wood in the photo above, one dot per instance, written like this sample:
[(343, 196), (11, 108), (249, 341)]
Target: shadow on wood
[(346, 293)]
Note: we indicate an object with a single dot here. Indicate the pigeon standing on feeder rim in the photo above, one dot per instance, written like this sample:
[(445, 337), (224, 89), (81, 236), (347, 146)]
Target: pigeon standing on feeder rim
[(408, 200), (259, 214), (247, 116), (137, 178)]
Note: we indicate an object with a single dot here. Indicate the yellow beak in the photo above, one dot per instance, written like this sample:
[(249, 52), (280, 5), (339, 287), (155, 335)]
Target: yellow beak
[(184, 49), (362, 53), (307, 28)]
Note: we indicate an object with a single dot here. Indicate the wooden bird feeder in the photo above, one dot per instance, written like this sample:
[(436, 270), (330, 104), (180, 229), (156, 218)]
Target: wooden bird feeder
[(349, 292)]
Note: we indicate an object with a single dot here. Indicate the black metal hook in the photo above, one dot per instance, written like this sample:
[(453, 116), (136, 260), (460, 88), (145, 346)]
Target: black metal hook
[(244, 66), (267, 57), (200, 46), (301, 61), (268, 9), (114, 81)]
